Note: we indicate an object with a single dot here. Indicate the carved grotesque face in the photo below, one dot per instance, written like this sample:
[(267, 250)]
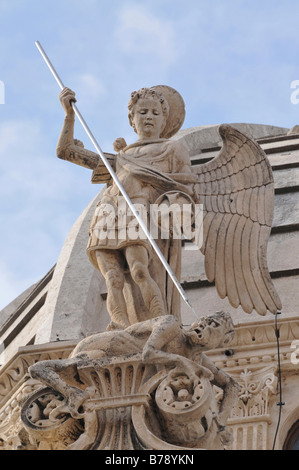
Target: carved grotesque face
[(148, 119), (212, 332)]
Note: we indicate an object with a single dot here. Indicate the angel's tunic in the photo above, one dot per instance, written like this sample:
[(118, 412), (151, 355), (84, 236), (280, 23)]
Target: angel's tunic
[(146, 170)]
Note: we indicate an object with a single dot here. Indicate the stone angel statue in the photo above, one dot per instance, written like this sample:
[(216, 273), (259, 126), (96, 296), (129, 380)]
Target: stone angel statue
[(235, 190)]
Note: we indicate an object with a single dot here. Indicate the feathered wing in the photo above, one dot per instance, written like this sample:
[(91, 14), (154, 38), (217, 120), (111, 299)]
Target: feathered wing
[(237, 192)]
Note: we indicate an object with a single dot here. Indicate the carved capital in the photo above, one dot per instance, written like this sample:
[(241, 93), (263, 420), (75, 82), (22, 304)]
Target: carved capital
[(255, 390)]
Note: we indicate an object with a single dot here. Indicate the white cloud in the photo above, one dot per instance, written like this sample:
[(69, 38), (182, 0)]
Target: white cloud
[(94, 85), (90, 90), (142, 34)]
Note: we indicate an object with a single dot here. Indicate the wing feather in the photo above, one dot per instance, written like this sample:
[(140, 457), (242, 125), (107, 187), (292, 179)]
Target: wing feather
[(232, 292), (256, 268), (244, 296), (237, 192), (254, 204), (220, 275), (208, 218), (264, 236), (240, 202), (261, 205), (247, 178), (210, 258), (246, 202), (258, 303), (220, 201)]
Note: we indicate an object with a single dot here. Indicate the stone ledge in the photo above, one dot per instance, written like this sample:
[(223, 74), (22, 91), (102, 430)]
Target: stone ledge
[(14, 373)]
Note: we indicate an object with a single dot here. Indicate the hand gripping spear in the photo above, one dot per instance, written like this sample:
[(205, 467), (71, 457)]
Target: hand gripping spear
[(119, 185)]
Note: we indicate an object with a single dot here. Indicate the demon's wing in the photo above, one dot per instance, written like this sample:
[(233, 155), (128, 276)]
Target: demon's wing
[(237, 192)]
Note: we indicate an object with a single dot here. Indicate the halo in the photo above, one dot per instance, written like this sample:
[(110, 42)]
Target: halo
[(176, 110)]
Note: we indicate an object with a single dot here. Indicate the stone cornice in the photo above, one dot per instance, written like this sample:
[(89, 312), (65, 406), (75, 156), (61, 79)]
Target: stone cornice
[(14, 373), (255, 346)]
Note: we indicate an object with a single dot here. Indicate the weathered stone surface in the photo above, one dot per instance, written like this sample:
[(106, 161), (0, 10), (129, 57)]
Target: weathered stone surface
[(206, 302), (286, 211), (283, 255), (149, 386), (108, 393), (284, 158), (286, 179)]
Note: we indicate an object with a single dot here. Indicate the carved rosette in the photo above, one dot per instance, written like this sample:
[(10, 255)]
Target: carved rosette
[(49, 427), (186, 411), (130, 406)]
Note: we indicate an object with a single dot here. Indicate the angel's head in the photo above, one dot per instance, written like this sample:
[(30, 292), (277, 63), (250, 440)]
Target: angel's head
[(212, 332), (148, 113)]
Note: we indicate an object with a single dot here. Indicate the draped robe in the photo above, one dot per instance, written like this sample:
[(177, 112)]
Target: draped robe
[(146, 170)]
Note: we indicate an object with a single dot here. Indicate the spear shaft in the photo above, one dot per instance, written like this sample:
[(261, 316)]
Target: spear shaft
[(118, 184)]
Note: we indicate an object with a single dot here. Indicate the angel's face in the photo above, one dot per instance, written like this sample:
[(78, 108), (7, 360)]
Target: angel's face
[(148, 120)]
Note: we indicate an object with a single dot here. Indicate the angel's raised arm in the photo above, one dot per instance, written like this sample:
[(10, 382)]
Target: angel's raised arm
[(73, 150)]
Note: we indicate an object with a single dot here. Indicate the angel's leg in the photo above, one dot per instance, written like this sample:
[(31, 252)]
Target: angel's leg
[(137, 259), (111, 265)]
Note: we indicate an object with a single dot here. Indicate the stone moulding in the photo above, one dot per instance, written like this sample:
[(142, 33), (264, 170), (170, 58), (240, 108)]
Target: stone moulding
[(254, 349), (247, 337), (255, 346), (13, 375)]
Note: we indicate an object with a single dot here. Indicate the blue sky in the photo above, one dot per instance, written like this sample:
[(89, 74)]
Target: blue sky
[(232, 61)]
